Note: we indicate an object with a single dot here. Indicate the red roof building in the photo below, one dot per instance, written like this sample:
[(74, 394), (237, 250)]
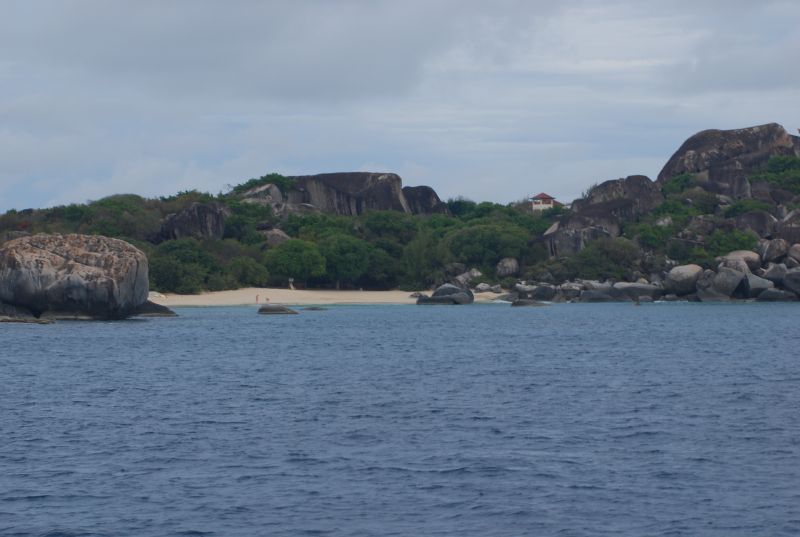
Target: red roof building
[(542, 202)]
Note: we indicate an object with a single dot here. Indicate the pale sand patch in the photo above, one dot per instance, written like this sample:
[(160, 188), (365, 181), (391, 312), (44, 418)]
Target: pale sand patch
[(258, 295)]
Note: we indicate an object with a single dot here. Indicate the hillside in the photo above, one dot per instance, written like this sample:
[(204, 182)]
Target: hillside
[(720, 191)]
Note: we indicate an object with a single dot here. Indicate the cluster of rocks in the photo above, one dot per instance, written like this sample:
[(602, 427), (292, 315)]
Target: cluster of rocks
[(55, 277), (772, 274), (346, 194)]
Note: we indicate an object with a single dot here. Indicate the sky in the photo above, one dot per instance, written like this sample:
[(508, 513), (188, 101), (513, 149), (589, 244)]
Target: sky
[(492, 101)]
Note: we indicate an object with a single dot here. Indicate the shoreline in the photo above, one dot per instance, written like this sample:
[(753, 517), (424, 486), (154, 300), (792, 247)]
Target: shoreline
[(257, 296)]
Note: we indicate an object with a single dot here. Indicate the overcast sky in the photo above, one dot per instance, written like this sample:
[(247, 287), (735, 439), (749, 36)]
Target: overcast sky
[(489, 100)]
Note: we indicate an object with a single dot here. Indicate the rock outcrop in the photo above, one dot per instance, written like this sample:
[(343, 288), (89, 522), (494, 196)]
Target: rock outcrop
[(73, 276), (345, 194), (424, 200), (602, 213), (199, 220), (722, 160), (447, 294), (681, 280)]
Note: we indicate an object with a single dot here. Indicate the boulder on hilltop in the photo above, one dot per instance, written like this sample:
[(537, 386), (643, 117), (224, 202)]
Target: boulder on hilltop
[(73, 276), (722, 160)]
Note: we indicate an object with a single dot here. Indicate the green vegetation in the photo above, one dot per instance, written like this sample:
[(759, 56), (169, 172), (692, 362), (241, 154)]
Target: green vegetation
[(745, 206), (388, 249), (782, 171), (678, 184)]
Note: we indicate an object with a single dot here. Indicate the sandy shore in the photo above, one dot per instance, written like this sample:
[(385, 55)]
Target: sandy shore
[(259, 295), (255, 295)]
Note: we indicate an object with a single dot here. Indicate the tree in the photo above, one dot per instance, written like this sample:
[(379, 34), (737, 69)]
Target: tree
[(346, 258), (295, 259)]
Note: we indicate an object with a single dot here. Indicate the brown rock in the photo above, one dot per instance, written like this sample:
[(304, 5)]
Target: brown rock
[(73, 275)]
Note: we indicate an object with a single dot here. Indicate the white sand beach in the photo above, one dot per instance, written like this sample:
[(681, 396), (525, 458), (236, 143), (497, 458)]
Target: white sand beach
[(263, 295)]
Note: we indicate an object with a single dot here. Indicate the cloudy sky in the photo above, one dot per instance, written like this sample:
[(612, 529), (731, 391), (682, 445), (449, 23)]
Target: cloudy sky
[(489, 100)]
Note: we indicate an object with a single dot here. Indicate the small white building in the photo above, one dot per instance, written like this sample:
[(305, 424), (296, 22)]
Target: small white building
[(542, 202)]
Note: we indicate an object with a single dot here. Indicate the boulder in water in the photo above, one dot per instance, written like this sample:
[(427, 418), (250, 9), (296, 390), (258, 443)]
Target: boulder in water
[(448, 294), (73, 276), (275, 309)]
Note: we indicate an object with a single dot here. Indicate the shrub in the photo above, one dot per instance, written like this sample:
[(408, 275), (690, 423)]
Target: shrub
[(781, 171), (678, 184), (605, 258), (745, 206)]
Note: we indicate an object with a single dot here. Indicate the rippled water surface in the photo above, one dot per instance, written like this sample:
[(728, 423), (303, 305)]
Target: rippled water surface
[(664, 419)]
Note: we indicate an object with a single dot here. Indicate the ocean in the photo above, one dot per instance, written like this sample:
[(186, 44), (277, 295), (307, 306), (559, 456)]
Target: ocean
[(664, 419)]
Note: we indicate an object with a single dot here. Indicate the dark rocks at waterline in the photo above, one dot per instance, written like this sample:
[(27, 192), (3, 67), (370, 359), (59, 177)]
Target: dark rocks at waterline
[(755, 285), (637, 291), (596, 295), (448, 294), (151, 309), (73, 276), (681, 280), (776, 295), (791, 281), (14, 314), (526, 302), (275, 309)]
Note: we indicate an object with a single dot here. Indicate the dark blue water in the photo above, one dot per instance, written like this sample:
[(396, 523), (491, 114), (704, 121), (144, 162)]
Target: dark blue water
[(571, 420)]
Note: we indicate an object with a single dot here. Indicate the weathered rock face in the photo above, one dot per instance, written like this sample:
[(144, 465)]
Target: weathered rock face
[(759, 222), (776, 295), (681, 280), (508, 266), (622, 198), (73, 275), (751, 259), (199, 220), (602, 213), (349, 194), (774, 250), (346, 194), (792, 280), (424, 200), (789, 227), (722, 160), (755, 285), (275, 237), (636, 291)]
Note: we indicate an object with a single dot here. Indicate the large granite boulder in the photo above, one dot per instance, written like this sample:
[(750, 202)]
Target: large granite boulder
[(788, 228), (775, 272), (761, 223), (543, 291), (636, 291), (508, 266), (681, 280), (448, 294), (199, 220), (602, 213), (791, 282), (274, 237), (718, 286), (349, 193), (721, 160), (750, 259), (774, 250), (776, 295), (15, 314), (424, 200), (755, 285), (73, 276), (794, 252)]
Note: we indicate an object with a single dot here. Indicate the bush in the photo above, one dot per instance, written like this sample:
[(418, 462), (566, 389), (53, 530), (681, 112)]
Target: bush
[(294, 259), (485, 245), (678, 184), (722, 242), (605, 258), (346, 258), (745, 206), (781, 171)]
